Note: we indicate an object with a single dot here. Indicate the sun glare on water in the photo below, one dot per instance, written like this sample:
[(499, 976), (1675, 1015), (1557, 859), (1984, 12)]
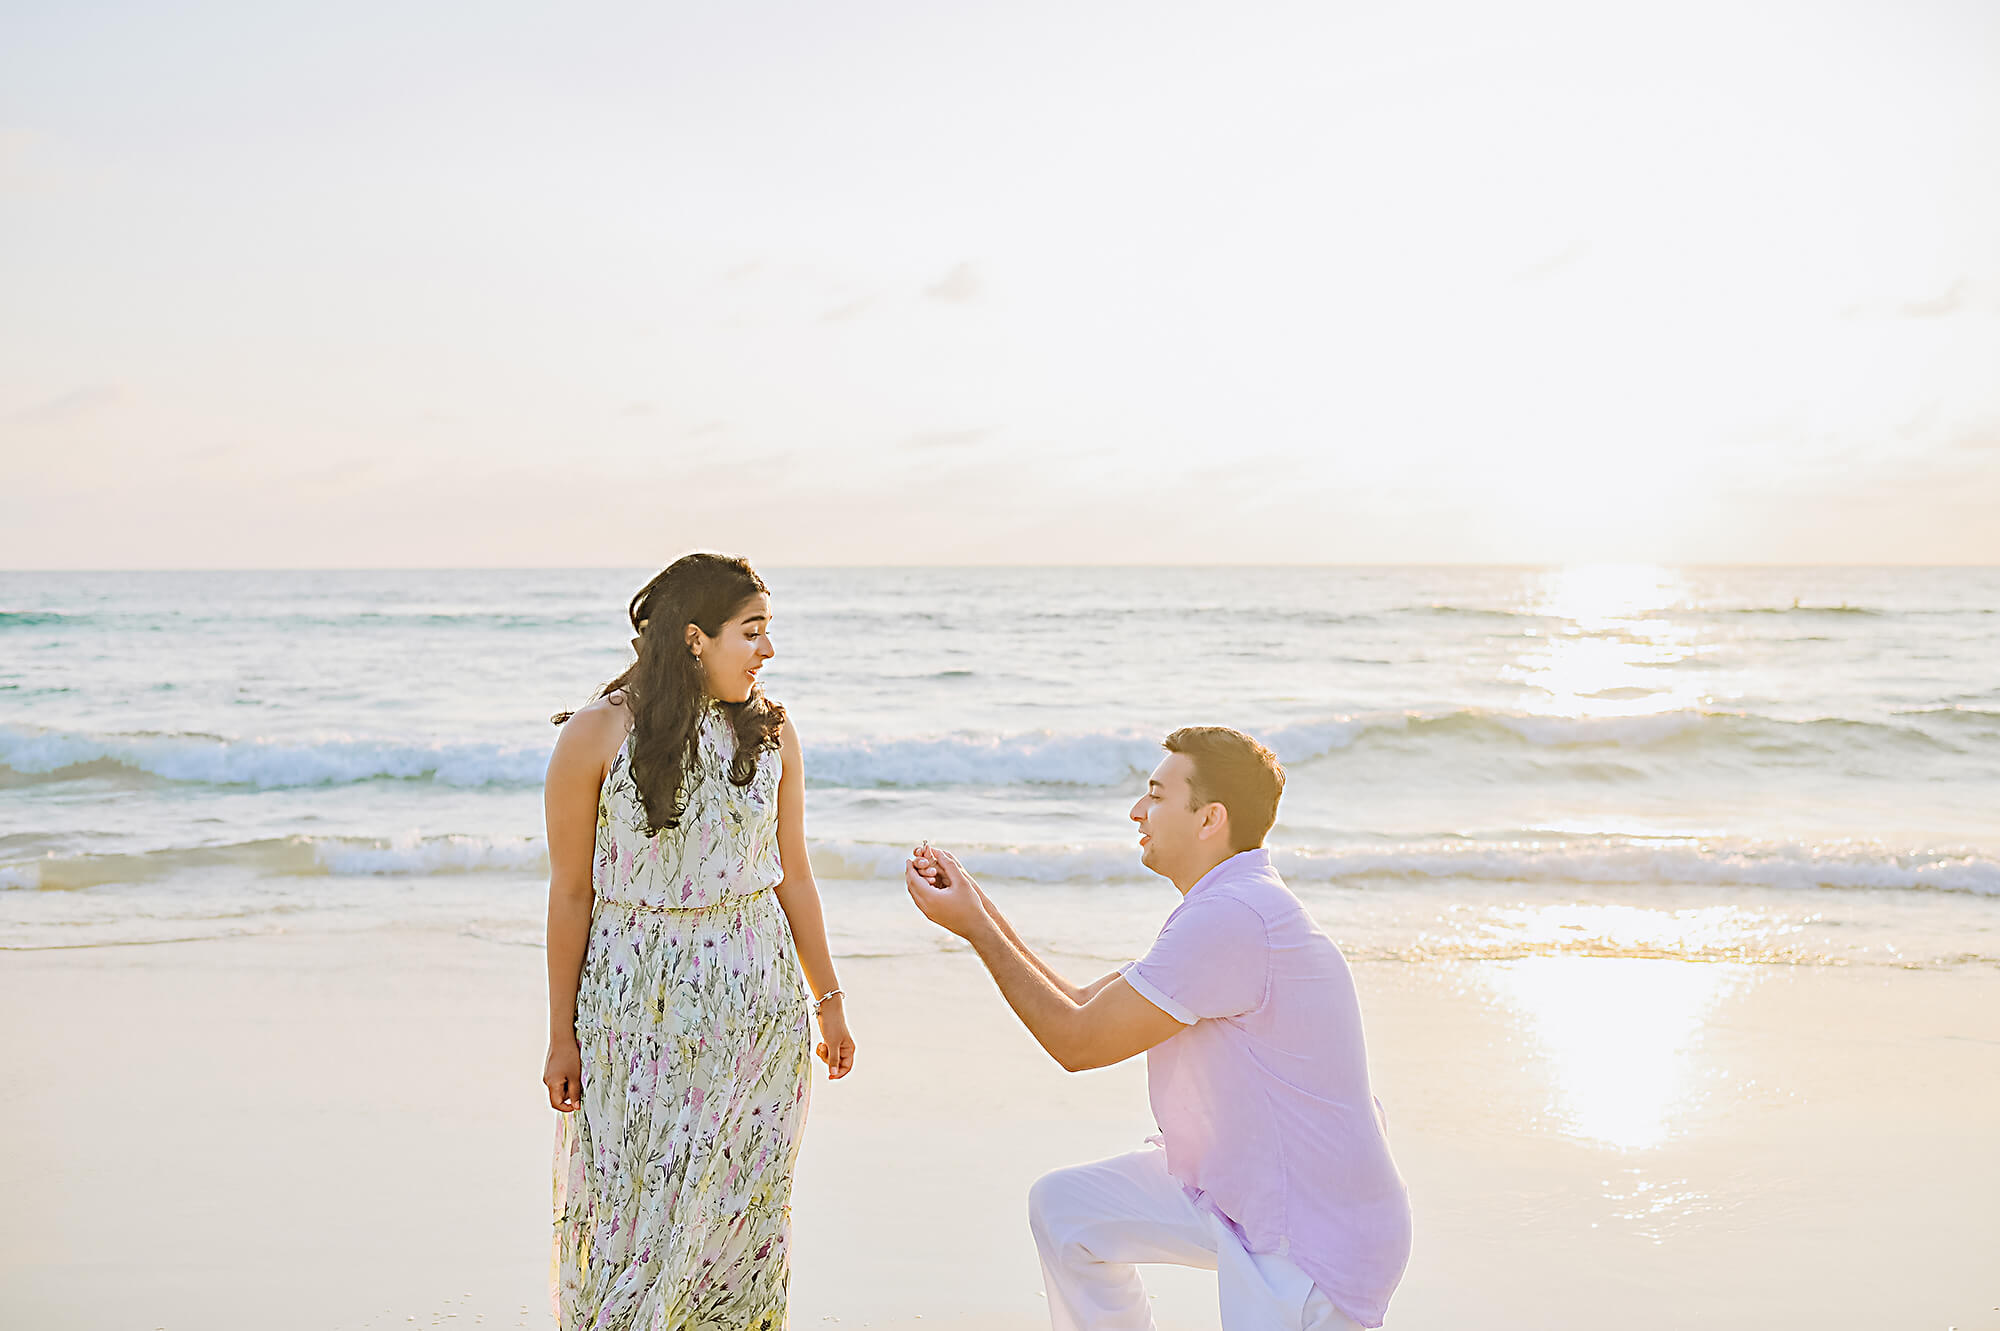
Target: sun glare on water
[(1620, 1038), (1619, 1034), (1605, 656)]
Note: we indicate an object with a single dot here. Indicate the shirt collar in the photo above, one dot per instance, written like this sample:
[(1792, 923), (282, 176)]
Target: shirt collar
[(1243, 861)]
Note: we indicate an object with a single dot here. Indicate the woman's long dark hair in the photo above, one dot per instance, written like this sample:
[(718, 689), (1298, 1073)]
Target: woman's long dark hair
[(663, 687)]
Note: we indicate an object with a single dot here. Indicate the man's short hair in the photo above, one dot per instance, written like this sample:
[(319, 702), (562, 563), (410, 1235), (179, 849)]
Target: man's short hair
[(1235, 771)]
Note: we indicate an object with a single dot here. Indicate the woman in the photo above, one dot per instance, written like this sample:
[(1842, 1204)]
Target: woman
[(681, 911)]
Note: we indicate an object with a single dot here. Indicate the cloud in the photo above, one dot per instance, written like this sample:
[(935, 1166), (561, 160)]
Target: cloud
[(743, 270), (73, 405), (842, 313), (1919, 425), (636, 409), (1567, 257), (960, 286), (704, 430), (1953, 299), (946, 438), (348, 474), (1958, 298)]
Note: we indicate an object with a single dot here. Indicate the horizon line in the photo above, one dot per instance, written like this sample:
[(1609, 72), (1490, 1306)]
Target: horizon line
[(1534, 565)]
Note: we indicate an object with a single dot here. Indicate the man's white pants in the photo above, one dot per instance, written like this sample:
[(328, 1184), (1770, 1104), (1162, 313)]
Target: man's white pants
[(1093, 1222)]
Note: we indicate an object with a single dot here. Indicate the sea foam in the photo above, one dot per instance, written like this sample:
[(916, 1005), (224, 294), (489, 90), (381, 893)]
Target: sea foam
[(1598, 861), (1096, 758), (1590, 861), (264, 763)]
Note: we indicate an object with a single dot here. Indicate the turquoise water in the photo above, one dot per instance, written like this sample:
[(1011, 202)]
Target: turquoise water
[(1791, 765)]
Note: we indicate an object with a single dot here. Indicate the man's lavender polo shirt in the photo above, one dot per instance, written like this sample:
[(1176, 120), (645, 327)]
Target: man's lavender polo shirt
[(1263, 1101)]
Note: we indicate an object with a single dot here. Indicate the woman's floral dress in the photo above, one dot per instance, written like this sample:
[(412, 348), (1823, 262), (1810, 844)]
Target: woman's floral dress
[(673, 1178)]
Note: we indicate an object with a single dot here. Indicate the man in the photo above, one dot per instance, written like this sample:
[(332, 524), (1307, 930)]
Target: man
[(1271, 1166)]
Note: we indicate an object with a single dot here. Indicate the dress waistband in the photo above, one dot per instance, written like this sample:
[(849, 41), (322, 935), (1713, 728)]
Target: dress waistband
[(729, 902)]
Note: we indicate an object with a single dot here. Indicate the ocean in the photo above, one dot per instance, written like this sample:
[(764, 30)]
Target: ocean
[(1794, 766)]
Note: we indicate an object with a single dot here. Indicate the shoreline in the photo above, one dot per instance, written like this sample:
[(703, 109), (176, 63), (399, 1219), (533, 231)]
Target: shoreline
[(346, 1130)]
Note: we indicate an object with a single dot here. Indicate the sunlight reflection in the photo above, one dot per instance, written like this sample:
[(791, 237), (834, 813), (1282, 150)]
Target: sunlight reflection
[(1605, 661), (1635, 932), (1595, 596), (1620, 1036)]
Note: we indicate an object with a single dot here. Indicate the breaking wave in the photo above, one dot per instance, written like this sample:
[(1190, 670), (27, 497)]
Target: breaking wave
[(1095, 758), (1602, 861), (1596, 861), (27, 756), (296, 856)]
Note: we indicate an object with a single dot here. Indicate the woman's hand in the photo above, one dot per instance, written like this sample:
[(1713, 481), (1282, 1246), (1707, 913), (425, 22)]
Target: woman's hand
[(563, 1074), (836, 1046)]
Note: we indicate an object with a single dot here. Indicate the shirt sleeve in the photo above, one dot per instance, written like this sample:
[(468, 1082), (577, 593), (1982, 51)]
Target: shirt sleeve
[(1212, 960)]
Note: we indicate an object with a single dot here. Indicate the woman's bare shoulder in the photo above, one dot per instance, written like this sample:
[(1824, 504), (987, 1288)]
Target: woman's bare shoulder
[(596, 730)]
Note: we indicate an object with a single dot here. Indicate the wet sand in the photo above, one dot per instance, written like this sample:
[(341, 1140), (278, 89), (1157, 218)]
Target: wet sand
[(347, 1130)]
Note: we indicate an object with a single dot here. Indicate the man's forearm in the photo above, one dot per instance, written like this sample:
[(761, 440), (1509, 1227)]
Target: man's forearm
[(1064, 987), (1037, 997)]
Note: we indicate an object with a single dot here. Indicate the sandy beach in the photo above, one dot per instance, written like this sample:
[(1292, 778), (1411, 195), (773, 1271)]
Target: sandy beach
[(345, 1130)]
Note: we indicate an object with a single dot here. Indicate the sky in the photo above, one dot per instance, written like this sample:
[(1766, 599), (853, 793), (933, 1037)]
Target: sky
[(382, 285)]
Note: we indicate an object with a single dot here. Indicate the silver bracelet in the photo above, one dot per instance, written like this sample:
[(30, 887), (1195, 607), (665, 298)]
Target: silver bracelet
[(831, 993)]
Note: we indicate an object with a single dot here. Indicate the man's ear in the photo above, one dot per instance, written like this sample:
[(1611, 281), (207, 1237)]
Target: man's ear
[(1214, 821)]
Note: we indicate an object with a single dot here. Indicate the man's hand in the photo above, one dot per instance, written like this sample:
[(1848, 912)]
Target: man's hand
[(1090, 1028), (944, 891)]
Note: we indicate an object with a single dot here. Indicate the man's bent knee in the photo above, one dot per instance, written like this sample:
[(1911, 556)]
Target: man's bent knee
[(1049, 1199)]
